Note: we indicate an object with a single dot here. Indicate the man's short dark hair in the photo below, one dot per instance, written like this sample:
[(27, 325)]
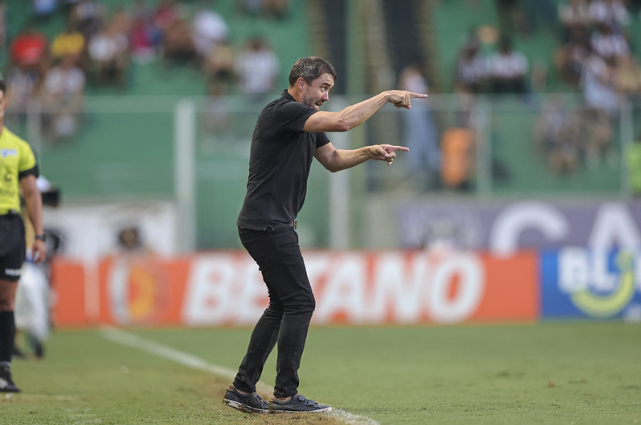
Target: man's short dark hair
[(310, 69), (3, 87)]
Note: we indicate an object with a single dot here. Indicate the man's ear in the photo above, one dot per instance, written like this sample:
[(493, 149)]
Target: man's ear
[(301, 83)]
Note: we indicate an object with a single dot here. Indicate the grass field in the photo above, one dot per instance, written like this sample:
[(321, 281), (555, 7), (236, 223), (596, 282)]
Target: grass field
[(571, 373)]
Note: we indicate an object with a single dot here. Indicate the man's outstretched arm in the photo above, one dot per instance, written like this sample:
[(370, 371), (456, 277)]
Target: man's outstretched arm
[(340, 159), (357, 114)]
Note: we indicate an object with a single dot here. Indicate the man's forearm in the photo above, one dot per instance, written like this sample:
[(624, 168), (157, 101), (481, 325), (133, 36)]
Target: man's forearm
[(357, 114), (34, 209), (343, 159)]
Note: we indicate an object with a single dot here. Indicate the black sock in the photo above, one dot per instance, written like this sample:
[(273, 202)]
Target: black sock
[(7, 335)]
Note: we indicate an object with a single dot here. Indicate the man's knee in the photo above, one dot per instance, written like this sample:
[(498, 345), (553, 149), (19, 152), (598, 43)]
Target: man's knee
[(6, 304), (7, 295), (305, 303)]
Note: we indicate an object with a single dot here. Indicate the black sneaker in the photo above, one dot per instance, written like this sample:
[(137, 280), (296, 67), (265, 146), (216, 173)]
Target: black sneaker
[(250, 403), (6, 383), (297, 404)]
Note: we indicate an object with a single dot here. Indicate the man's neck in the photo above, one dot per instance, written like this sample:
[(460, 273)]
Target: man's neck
[(295, 93)]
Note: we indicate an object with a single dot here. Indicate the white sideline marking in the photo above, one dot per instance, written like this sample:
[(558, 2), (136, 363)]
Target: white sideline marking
[(193, 362)]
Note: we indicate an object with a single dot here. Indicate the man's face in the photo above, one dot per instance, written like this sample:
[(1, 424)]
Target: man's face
[(317, 93)]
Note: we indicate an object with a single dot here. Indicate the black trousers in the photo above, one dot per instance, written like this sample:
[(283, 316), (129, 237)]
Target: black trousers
[(286, 320)]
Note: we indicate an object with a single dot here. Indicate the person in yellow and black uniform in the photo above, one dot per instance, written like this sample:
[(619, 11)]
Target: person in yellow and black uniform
[(18, 171)]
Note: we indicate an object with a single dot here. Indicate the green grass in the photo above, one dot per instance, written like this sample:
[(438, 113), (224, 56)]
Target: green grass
[(581, 373)]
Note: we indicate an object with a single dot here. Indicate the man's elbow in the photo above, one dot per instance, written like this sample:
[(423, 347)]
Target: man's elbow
[(342, 126), (332, 166)]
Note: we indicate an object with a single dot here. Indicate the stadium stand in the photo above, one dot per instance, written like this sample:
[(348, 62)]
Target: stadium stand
[(123, 147)]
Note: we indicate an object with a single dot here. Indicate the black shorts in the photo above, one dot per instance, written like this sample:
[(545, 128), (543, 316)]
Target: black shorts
[(12, 247)]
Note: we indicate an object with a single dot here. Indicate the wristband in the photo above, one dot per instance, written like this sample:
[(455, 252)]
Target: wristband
[(40, 237)]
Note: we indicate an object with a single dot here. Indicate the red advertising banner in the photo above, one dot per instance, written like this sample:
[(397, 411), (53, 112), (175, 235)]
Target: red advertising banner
[(226, 288)]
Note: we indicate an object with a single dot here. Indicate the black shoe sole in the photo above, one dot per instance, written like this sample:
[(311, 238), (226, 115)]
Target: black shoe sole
[(324, 409), (243, 407)]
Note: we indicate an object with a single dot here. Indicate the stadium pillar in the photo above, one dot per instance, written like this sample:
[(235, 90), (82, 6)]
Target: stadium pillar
[(339, 191), (481, 122), (355, 93), (184, 174)]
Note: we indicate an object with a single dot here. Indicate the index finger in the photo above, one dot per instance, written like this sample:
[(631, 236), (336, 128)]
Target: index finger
[(420, 95), (398, 148)]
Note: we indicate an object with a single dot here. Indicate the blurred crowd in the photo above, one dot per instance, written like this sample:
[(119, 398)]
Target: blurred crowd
[(98, 45), (594, 58)]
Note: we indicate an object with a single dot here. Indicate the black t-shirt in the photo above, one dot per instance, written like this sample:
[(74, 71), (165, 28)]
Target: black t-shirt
[(279, 162)]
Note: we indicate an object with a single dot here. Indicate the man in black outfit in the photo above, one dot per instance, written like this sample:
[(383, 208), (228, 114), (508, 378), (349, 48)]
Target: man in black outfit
[(289, 133)]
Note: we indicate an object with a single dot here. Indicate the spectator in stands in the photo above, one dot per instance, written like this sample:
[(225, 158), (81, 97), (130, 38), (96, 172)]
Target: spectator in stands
[(208, 29), (22, 85), (599, 130), (63, 98), (420, 131), (131, 244), (257, 67), (612, 13), (89, 15), (574, 16), (508, 70), (566, 151), (457, 150), (219, 72), (69, 42), (165, 15), (121, 20), (627, 78), (29, 50), (178, 45), (558, 137), (549, 124), (219, 68), (571, 56), (109, 56), (470, 69), (599, 90), (144, 39), (598, 84), (44, 9), (609, 44)]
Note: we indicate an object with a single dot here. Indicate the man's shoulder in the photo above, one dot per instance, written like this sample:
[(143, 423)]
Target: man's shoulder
[(8, 138), (285, 105)]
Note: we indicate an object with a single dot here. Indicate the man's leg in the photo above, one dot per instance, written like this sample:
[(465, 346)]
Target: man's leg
[(7, 334), (261, 343), (296, 295), (291, 343), (265, 333), (278, 256)]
